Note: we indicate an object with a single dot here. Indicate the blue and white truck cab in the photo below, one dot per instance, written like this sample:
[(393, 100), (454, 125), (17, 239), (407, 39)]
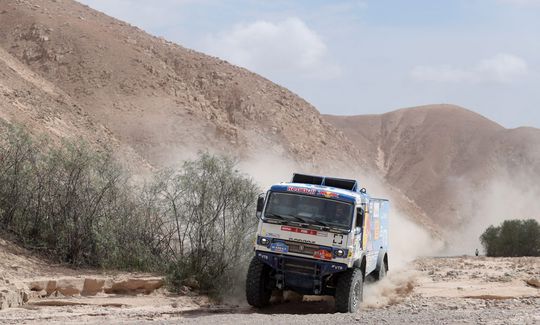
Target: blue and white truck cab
[(318, 236)]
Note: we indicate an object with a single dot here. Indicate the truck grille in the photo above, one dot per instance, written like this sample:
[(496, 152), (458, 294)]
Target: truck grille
[(300, 267), (301, 248)]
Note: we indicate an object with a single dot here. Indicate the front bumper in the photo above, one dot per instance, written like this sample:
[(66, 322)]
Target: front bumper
[(304, 275)]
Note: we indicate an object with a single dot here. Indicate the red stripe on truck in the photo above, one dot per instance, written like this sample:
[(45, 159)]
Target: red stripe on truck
[(299, 230)]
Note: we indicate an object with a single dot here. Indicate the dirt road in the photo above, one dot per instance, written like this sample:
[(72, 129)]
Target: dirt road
[(456, 290)]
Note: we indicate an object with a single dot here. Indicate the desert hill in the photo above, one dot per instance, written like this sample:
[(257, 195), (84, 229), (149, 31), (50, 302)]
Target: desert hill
[(156, 98), (443, 156)]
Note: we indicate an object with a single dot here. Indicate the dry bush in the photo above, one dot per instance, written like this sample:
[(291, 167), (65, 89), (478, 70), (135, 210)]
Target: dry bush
[(210, 207), (70, 203), (78, 206)]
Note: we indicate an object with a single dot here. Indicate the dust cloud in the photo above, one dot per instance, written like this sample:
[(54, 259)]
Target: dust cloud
[(503, 197), (390, 290), (267, 168)]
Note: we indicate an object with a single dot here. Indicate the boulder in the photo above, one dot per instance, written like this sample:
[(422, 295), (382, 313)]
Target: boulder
[(70, 287), (93, 286), (135, 286), (533, 282)]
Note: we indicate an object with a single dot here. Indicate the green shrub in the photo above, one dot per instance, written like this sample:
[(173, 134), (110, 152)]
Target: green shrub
[(512, 238), (77, 206), (211, 208), (70, 202)]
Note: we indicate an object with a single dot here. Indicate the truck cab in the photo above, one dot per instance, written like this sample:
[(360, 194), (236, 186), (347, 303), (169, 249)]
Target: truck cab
[(318, 236)]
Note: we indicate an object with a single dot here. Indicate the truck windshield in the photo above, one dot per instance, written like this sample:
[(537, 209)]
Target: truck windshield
[(308, 209)]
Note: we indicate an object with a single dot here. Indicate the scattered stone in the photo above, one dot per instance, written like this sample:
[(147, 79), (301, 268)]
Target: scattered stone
[(135, 286), (192, 283), (533, 282)]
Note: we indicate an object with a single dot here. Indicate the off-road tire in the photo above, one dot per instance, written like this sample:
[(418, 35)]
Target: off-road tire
[(349, 291), (258, 285), (379, 275)]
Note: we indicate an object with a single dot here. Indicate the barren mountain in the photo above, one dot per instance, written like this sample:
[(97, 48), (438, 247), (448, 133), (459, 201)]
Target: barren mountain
[(163, 101), (445, 158)]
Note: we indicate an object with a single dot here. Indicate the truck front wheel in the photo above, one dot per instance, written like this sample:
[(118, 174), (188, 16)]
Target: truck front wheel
[(258, 285), (349, 291)]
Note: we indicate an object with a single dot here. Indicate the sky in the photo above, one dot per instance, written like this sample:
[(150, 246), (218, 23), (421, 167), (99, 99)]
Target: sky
[(350, 57)]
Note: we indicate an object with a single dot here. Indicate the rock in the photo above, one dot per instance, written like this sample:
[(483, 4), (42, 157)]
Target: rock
[(192, 283), (11, 297), (92, 287), (70, 287), (452, 273), (533, 282), (184, 290), (134, 286)]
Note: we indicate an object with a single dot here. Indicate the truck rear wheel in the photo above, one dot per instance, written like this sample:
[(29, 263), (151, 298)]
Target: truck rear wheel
[(258, 285), (349, 291), (381, 273)]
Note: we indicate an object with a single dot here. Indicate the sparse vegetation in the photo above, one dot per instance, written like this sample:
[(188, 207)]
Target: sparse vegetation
[(210, 209), (512, 238), (78, 206)]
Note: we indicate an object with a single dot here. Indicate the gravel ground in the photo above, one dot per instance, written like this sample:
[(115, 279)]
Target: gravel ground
[(412, 311), (457, 290)]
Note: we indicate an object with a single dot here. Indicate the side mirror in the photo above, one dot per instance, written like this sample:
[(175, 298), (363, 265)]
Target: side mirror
[(260, 205), (360, 217), (357, 231)]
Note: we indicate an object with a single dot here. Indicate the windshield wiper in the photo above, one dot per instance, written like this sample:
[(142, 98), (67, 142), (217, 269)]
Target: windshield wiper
[(304, 220), (318, 222), (286, 217), (274, 217)]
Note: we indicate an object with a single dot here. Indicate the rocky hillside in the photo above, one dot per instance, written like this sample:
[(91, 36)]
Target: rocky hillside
[(445, 158), (160, 100)]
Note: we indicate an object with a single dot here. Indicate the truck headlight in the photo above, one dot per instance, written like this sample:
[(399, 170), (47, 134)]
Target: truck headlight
[(264, 241), (339, 253)]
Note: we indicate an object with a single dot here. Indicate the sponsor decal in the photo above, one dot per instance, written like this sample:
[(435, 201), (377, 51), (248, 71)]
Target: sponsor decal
[(337, 267), (302, 240), (303, 190), (299, 230), (312, 191), (279, 247), (322, 254), (328, 194), (271, 234), (377, 227), (263, 256), (304, 231)]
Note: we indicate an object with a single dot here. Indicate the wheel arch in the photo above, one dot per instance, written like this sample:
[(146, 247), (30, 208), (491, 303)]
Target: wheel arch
[(361, 264), (382, 259)]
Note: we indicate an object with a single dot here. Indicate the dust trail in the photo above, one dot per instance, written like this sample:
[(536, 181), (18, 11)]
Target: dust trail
[(390, 290), (408, 241), (266, 169), (503, 197)]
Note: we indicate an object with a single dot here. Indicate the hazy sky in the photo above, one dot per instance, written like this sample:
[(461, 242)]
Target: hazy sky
[(367, 56)]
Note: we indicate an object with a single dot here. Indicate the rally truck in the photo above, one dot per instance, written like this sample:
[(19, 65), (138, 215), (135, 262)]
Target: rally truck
[(318, 236)]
